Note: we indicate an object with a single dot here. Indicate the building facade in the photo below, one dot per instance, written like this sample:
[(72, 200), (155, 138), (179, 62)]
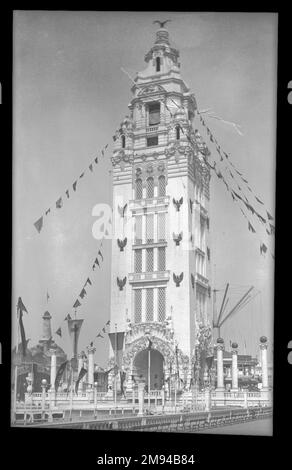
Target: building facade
[(160, 274)]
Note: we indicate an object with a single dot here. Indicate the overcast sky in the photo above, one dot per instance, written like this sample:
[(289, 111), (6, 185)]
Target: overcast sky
[(70, 96)]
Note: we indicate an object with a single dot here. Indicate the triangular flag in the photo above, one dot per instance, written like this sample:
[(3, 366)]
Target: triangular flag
[(96, 159), (100, 253), (99, 336), (258, 200), (263, 248), (59, 332), (68, 317), (82, 293), (108, 322), (39, 224), (77, 304), (250, 227), (269, 216), (20, 305), (47, 212), (81, 176), (59, 203), (67, 192), (88, 281), (272, 228), (74, 185), (91, 167)]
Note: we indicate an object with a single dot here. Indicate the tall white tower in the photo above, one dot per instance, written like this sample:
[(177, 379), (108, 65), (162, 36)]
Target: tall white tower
[(160, 251)]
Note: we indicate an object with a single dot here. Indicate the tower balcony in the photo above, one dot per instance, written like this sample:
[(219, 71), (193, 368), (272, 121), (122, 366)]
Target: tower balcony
[(152, 129), (145, 277), (202, 280), (149, 202)]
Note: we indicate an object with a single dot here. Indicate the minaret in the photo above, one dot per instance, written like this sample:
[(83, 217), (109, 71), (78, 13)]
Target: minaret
[(47, 331), (160, 252)]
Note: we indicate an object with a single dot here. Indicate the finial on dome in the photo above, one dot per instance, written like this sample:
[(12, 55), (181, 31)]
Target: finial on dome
[(162, 35)]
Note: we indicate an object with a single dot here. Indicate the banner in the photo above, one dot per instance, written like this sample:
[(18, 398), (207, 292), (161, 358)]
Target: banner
[(59, 374), (117, 343), (81, 374)]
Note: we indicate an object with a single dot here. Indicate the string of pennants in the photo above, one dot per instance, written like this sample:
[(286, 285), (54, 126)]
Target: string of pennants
[(270, 228), (97, 262), (61, 200), (239, 195)]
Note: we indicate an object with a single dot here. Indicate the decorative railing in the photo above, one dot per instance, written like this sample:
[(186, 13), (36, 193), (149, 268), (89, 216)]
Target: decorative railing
[(135, 204), (202, 280), (149, 276), (151, 129)]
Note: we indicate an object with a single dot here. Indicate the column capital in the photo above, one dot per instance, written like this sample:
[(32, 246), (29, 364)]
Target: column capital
[(91, 349), (81, 355)]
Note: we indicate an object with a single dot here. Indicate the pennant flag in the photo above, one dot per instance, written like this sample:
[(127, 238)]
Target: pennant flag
[(232, 195), (102, 152), (244, 180), (108, 322), (91, 167), (103, 329), (258, 200), (269, 233), (82, 293), (67, 192), (263, 248), (59, 332), (48, 211), (237, 195), (59, 374), (22, 333), (238, 172), (269, 216), (39, 224), (123, 378), (95, 262), (114, 138), (211, 138), (100, 253), (96, 160), (117, 343), (81, 374), (81, 176), (106, 147), (59, 203), (68, 317), (74, 185), (20, 305), (250, 227), (88, 281), (99, 336), (226, 155), (261, 218), (272, 228), (77, 304)]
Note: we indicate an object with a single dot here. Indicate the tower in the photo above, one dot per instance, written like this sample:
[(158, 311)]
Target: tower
[(47, 331), (160, 291)]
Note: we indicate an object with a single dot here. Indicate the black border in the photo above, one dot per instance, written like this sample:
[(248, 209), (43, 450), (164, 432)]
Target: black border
[(58, 447)]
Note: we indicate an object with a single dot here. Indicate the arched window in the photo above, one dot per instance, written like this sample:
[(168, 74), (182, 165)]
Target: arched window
[(161, 185), (123, 141), (177, 131), (139, 191), (150, 187), (158, 63)]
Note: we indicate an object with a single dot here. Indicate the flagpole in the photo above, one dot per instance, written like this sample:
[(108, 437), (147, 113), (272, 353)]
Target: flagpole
[(115, 383), (149, 352), (16, 366)]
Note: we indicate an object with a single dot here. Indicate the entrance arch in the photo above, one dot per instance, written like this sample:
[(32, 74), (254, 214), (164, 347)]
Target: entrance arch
[(140, 368)]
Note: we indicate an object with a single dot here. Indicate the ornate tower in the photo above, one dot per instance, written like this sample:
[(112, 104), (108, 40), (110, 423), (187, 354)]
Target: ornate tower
[(160, 249)]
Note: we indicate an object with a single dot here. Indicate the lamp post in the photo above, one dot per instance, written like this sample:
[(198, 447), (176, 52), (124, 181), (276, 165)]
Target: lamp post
[(95, 398), (44, 384)]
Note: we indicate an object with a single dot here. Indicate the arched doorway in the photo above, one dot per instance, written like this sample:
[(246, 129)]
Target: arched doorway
[(141, 364)]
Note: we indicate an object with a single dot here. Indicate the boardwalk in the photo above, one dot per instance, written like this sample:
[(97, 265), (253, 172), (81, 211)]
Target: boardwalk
[(261, 427)]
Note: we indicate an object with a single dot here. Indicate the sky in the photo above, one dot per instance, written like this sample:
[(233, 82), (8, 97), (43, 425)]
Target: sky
[(70, 96)]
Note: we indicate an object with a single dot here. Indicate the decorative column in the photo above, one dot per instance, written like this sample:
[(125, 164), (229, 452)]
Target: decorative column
[(220, 376), (234, 370), (207, 399), (141, 387), (90, 374), (44, 384), (264, 363)]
